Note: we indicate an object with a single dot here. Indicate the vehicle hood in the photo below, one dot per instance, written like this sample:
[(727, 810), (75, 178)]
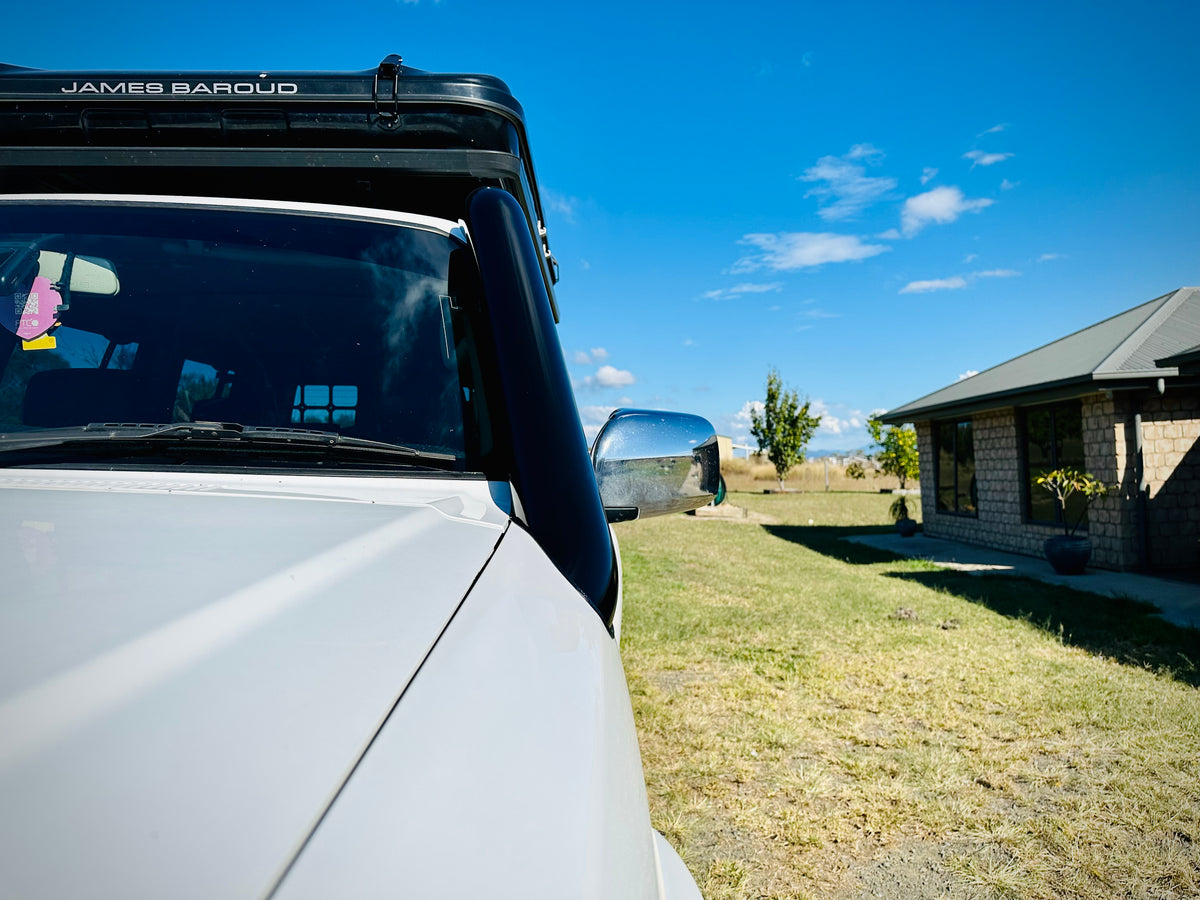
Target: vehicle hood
[(190, 668)]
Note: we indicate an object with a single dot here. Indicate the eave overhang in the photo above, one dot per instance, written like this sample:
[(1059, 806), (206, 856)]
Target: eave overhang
[(1066, 389), (1187, 363)]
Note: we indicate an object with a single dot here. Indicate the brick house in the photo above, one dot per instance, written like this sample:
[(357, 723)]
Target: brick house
[(1120, 399)]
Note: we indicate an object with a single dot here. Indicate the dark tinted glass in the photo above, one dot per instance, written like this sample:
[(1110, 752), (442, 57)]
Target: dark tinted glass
[(946, 475), (1053, 440), (1068, 440), (957, 491), (965, 459), (251, 317), (1039, 457)]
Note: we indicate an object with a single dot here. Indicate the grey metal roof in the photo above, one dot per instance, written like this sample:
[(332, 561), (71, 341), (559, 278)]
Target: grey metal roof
[(1188, 362), (1123, 348)]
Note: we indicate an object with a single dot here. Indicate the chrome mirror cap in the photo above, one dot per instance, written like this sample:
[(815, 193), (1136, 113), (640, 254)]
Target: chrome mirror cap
[(650, 463)]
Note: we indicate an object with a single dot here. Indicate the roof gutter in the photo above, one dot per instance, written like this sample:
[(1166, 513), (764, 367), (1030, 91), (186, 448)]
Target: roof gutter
[(1045, 393)]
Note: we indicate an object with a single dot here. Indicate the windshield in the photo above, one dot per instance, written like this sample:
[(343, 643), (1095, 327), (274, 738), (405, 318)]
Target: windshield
[(157, 314)]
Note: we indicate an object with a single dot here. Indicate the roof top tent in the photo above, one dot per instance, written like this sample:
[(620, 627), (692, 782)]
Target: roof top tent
[(390, 138)]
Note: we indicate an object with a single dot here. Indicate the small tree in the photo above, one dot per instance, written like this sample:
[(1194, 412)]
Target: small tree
[(856, 471), (783, 428), (897, 449), (1063, 483)]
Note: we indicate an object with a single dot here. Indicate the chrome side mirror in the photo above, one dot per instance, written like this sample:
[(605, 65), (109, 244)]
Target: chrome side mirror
[(650, 463)]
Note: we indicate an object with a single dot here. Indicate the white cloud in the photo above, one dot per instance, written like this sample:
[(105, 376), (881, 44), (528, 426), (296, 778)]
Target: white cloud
[(589, 357), (611, 377), (968, 374), (844, 186), (737, 425), (593, 417), (756, 288), (1046, 257), (970, 257), (791, 250), (941, 205), (817, 314), (832, 423), (928, 174), (934, 284), (865, 151), (982, 158), (892, 234), (745, 288), (1006, 185), (995, 129), (956, 282), (743, 415), (565, 206)]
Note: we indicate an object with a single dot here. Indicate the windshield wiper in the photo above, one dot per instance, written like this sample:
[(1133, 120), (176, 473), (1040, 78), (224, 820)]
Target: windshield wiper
[(105, 438)]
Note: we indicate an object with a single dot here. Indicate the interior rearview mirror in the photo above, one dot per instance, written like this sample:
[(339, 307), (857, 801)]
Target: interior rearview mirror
[(650, 463), (36, 286), (89, 274)]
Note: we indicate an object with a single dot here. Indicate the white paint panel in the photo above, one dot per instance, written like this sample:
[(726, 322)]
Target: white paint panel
[(509, 769), (188, 671)]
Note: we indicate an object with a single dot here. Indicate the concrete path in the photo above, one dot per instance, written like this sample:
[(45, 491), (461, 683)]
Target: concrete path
[(1178, 601)]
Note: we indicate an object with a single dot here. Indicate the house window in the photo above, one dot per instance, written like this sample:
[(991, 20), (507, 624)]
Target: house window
[(325, 404), (955, 454), (1053, 439)]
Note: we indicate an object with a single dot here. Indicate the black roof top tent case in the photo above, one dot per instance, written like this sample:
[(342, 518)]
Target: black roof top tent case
[(389, 138)]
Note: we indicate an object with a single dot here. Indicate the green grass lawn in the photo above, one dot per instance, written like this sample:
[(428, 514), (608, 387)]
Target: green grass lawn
[(820, 719)]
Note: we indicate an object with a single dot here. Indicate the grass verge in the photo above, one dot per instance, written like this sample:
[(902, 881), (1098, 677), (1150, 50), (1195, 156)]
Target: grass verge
[(819, 719), (755, 475)]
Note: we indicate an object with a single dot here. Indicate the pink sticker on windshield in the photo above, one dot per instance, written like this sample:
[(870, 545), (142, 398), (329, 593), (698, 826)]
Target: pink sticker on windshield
[(37, 310)]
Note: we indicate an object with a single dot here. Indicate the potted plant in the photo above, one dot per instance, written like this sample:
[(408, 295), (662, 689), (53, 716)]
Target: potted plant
[(1068, 553), (899, 512)]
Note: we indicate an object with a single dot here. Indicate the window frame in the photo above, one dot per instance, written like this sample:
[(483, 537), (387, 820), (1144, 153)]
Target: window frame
[(1027, 486), (955, 424), (466, 329)]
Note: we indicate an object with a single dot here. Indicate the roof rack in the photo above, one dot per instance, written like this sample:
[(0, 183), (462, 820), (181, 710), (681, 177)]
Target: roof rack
[(392, 137)]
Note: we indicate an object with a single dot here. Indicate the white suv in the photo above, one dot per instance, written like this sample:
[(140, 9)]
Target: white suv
[(309, 588)]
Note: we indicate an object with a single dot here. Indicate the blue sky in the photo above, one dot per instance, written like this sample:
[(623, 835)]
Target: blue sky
[(871, 198)]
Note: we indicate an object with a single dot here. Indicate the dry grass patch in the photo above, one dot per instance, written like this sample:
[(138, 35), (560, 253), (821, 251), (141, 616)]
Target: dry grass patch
[(754, 475), (802, 740)]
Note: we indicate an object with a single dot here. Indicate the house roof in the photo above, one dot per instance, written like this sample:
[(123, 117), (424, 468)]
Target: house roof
[(1188, 362), (1123, 351)]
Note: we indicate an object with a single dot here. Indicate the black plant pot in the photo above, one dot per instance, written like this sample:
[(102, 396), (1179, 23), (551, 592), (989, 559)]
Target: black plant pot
[(1068, 555), (906, 527)]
